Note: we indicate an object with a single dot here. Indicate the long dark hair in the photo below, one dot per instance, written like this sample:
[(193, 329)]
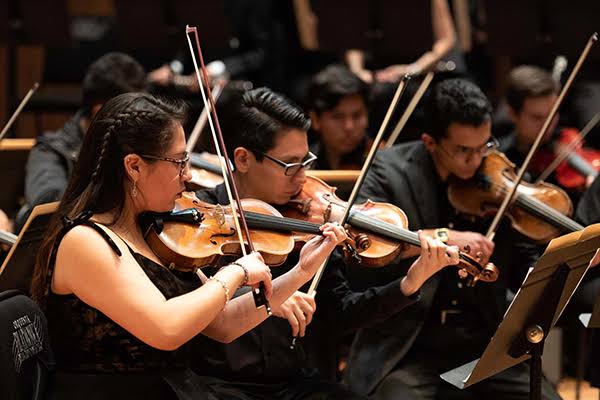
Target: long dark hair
[(129, 123)]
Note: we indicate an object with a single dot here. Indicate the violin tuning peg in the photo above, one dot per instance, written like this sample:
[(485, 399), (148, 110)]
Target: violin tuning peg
[(479, 256)]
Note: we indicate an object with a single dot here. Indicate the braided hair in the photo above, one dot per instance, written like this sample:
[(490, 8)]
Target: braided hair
[(129, 123)]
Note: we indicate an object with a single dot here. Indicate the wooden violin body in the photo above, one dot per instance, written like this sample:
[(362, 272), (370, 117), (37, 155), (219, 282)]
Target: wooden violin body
[(318, 203), (197, 240), (538, 211)]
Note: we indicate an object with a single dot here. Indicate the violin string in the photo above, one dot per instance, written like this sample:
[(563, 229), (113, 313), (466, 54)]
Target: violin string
[(384, 228), (530, 203), (282, 223), (405, 235)]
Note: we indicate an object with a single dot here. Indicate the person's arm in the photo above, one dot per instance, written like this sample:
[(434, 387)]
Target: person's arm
[(356, 310), (241, 315), (444, 40), (5, 222), (355, 59), (46, 176), (87, 267), (444, 35)]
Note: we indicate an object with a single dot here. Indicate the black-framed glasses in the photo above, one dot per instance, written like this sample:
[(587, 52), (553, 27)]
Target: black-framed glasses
[(182, 162), (465, 152), (291, 169)]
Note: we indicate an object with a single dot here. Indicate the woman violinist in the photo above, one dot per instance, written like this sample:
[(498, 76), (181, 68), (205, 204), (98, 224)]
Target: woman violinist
[(118, 318)]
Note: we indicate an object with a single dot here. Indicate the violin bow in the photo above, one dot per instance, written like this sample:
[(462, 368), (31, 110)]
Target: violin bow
[(363, 173), (442, 66), (201, 122), (567, 150), (508, 198), (370, 157), (18, 110), (234, 198)]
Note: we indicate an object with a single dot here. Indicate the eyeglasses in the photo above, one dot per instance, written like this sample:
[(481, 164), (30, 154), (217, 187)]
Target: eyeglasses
[(182, 162), (291, 169), (465, 152)]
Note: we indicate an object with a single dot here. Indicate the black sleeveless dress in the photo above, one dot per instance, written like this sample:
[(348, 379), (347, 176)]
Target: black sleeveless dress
[(98, 359)]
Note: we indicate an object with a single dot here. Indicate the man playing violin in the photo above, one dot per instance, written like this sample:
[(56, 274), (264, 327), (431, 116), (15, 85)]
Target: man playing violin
[(267, 138), (452, 324), (531, 94), (338, 105)]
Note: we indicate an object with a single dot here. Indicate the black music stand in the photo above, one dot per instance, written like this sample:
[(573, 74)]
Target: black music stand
[(17, 270), (535, 309)]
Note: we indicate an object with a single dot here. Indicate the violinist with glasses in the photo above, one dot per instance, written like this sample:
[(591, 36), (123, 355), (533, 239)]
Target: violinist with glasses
[(119, 319), (294, 354), (453, 322)]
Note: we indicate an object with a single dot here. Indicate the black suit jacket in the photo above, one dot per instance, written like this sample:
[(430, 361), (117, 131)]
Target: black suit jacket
[(405, 176)]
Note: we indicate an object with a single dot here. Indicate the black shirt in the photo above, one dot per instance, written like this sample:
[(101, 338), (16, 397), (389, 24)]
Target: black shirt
[(263, 355)]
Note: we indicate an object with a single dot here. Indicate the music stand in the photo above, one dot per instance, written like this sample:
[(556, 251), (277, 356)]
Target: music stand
[(535, 309), (17, 270)]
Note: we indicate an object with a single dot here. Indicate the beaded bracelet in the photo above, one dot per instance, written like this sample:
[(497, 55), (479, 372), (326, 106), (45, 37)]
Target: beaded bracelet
[(224, 285), (246, 277)]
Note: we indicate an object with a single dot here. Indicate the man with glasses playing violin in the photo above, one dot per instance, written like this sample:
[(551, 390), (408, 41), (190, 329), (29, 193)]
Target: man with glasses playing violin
[(403, 356), (267, 139)]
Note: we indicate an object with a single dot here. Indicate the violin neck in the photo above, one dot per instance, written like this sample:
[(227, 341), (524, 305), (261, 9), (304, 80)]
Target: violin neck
[(547, 213), (197, 161), (281, 224), (360, 220)]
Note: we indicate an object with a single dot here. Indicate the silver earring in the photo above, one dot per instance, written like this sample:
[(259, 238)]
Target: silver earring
[(134, 191)]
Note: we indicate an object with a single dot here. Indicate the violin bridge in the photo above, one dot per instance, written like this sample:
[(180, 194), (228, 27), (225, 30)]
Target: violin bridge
[(219, 214)]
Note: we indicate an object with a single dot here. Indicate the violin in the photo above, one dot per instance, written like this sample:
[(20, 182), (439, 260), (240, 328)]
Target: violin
[(539, 211), (382, 225), (572, 173), (195, 234)]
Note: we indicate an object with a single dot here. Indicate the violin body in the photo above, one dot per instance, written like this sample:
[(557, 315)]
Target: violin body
[(188, 246), (534, 209), (318, 203)]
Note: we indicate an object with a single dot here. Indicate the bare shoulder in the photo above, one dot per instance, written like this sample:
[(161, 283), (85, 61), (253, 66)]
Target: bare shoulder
[(85, 241), (84, 253)]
